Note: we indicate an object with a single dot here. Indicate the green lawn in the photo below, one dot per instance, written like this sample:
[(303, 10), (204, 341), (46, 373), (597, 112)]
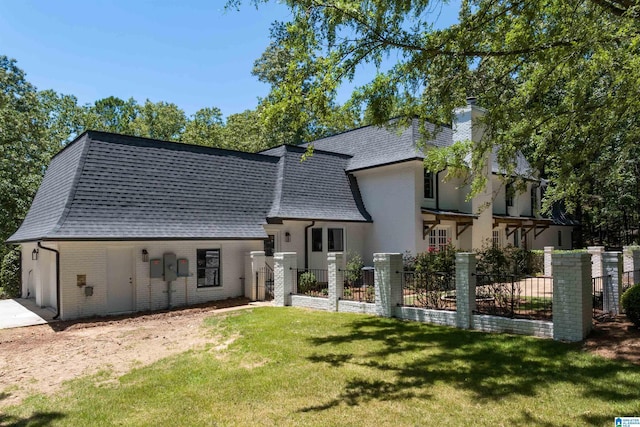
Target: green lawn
[(296, 367)]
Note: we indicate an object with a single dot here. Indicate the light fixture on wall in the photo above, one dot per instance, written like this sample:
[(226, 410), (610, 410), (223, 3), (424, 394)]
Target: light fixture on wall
[(287, 237), (145, 256), (34, 255)]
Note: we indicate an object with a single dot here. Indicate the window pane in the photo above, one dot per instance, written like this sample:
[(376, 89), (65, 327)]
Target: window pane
[(316, 239), (208, 266), (336, 241), (270, 245), (428, 185)]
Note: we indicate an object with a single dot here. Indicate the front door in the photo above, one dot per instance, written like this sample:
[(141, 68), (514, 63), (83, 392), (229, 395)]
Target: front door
[(119, 280)]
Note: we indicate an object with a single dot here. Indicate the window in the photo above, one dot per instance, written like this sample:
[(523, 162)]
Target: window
[(316, 239), (208, 268), (496, 239), (270, 245), (534, 200), (516, 241), (559, 238), (438, 239), (509, 192), (429, 187), (335, 239)]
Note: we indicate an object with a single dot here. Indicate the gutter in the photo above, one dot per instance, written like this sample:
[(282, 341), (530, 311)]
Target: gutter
[(57, 278), (306, 244)]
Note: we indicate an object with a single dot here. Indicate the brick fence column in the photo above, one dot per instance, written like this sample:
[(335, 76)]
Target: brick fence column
[(465, 289), (283, 264), (612, 284), (572, 304), (388, 282), (596, 260), (335, 270), (548, 269), (258, 261), (631, 256)]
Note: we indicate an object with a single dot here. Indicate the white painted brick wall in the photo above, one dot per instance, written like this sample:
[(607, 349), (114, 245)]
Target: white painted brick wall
[(305, 301), (548, 269), (572, 304), (345, 306), (537, 328), (438, 317), (90, 258), (596, 260)]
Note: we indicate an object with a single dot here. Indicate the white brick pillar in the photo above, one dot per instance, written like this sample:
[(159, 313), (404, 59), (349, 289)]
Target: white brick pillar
[(596, 260), (548, 269), (388, 282), (612, 284), (465, 289), (335, 270), (257, 262), (631, 255), (283, 265), (572, 304)]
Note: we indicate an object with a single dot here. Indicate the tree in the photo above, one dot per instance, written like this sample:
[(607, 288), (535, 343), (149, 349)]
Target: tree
[(559, 79), (204, 128), (112, 114), (159, 120)]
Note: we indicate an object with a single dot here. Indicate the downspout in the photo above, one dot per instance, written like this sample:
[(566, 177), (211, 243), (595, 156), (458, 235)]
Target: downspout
[(57, 278), (306, 244)]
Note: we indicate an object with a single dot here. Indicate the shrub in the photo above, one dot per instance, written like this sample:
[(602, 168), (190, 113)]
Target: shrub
[(353, 268), (433, 261), (307, 282), (631, 304), (509, 260), (10, 280)]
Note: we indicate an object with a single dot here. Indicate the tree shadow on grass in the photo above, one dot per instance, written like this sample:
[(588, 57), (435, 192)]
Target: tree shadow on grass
[(37, 419), (489, 366)]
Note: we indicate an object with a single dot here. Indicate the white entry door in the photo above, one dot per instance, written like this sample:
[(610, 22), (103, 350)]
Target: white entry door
[(119, 280)]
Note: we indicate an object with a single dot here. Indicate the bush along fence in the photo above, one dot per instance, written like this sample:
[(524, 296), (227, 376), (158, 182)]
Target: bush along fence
[(558, 307)]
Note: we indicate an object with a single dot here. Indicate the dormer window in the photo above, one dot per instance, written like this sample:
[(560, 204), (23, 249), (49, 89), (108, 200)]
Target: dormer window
[(534, 200), (429, 185), (510, 191)]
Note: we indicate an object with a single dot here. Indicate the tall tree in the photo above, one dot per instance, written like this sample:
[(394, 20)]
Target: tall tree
[(560, 79), (204, 128), (112, 114), (161, 120)]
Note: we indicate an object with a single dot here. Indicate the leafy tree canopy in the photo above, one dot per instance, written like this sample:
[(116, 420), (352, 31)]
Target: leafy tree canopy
[(559, 79)]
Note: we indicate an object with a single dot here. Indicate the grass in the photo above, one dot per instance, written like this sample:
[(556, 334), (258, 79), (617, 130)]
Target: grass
[(296, 367)]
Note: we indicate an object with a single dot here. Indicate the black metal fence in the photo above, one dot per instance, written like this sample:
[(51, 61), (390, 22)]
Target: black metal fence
[(310, 282), (264, 284), (630, 278), (514, 297), (435, 291), (361, 289), (597, 293)]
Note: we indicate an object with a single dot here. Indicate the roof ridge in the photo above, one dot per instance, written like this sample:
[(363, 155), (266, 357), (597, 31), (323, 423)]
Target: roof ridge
[(74, 186)]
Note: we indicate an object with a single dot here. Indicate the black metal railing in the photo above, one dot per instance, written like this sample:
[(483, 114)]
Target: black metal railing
[(310, 282), (361, 289), (514, 297), (597, 294), (630, 278), (264, 284), (435, 291)]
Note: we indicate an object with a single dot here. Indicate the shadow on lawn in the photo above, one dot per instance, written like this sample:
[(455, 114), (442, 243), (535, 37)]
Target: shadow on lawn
[(37, 419), (490, 366)]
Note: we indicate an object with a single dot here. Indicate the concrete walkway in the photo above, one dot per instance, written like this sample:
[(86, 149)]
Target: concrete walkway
[(15, 313)]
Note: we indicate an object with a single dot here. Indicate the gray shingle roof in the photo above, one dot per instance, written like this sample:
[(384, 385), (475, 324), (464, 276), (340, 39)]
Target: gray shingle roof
[(127, 187), (372, 146), (113, 187), (317, 188)]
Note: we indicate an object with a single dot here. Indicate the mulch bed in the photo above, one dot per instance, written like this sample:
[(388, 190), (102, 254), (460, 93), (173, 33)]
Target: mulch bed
[(614, 337)]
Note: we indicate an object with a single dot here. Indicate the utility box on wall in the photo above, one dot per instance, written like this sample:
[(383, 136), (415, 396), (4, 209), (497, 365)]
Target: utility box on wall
[(156, 268), (170, 267), (183, 267)]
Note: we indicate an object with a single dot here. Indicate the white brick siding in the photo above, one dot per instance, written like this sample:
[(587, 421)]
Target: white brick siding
[(309, 302)]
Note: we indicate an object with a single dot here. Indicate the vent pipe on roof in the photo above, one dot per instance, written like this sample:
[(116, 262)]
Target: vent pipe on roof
[(57, 278)]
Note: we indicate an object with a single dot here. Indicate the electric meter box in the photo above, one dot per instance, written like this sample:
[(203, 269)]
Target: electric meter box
[(170, 267), (156, 268), (183, 267)]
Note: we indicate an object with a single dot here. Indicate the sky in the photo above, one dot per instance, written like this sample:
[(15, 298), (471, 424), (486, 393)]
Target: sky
[(193, 53)]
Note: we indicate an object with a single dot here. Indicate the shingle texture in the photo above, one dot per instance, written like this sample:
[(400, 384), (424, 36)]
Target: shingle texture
[(316, 188), (372, 146), (107, 186)]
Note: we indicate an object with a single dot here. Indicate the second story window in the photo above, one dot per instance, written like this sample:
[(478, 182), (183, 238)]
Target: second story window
[(429, 185), (534, 200), (509, 192)]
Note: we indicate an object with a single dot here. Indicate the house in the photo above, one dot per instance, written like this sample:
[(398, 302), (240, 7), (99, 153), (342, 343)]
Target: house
[(122, 224)]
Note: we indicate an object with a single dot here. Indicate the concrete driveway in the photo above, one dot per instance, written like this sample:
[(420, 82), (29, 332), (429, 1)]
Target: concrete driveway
[(15, 313)]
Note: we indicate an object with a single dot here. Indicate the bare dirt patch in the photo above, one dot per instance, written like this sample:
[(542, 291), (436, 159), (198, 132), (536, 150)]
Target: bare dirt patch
[(38, 359), (615, 338)]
